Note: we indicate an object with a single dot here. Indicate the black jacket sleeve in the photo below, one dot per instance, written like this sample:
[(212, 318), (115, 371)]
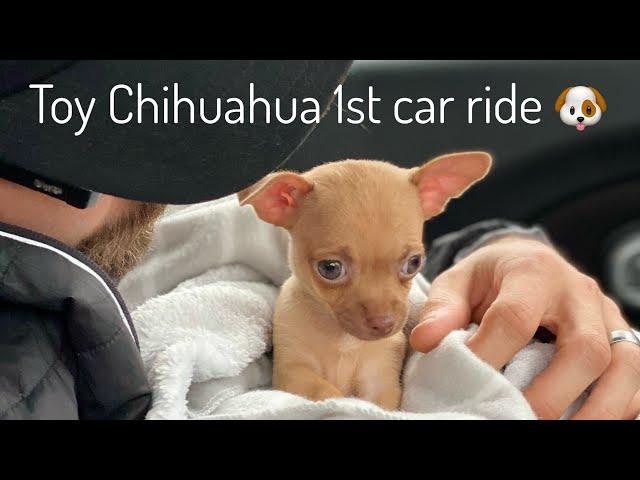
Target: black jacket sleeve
[(442, 253), (68, 347)]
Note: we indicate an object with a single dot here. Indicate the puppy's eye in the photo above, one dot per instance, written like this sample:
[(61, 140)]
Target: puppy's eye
[(411, 266), (331, 269), (572, 110), (589, 110)]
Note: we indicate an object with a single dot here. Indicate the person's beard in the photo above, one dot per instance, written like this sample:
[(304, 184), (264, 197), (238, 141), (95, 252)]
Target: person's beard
[(119, 246)]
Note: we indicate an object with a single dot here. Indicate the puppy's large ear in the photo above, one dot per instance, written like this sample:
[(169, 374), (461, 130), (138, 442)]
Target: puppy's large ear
[(562, 98), (277, 197), (599, 99), (447, 177)]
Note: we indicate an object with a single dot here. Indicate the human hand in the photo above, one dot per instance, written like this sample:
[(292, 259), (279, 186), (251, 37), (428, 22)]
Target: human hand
[(513, 286)]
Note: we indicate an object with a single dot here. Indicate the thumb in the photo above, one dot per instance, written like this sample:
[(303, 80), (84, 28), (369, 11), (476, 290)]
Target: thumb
[(447, 308)]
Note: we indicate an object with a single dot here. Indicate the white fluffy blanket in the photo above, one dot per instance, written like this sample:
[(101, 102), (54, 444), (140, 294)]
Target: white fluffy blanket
[(202, 303)]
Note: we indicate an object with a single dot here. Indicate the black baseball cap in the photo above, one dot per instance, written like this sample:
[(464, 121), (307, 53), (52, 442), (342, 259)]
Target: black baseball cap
[(163, 162)]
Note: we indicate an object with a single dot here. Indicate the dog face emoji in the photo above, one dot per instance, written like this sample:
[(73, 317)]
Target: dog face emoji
[(581, 106)]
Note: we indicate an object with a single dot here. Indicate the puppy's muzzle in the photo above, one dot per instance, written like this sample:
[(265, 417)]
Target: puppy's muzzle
[(381, 324)]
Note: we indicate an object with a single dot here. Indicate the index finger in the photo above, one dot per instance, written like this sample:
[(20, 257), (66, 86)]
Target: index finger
[(448, 308)]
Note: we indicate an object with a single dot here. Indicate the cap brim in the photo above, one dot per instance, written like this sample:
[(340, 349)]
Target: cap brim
[(164, 162)]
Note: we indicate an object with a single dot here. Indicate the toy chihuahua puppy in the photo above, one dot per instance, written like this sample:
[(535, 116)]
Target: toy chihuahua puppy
[(356, 244)]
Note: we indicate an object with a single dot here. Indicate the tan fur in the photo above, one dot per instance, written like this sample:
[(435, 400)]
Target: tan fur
[(314, 357), (370, 215)]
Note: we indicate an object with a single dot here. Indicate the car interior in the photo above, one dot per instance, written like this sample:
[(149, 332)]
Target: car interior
[(581, 186), (211, 327)]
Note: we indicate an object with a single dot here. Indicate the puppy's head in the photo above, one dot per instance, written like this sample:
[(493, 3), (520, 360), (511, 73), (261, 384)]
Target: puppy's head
[(581, 106), (356, 230)]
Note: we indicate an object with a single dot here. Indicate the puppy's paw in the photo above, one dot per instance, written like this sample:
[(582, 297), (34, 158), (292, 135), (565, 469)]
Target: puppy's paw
[(307, 385), (389, 398), (324, 391)]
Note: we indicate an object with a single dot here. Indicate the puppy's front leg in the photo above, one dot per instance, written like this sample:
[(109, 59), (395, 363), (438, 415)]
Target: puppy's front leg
[(303, 381), (378, 379), (390, 396), (386, 395)]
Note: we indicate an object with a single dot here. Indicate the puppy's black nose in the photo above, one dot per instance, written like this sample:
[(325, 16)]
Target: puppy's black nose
[(580, 119), (381, 324)]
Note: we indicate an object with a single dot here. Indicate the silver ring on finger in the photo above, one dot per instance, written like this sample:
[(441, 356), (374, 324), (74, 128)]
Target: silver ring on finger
[(616, 336)]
